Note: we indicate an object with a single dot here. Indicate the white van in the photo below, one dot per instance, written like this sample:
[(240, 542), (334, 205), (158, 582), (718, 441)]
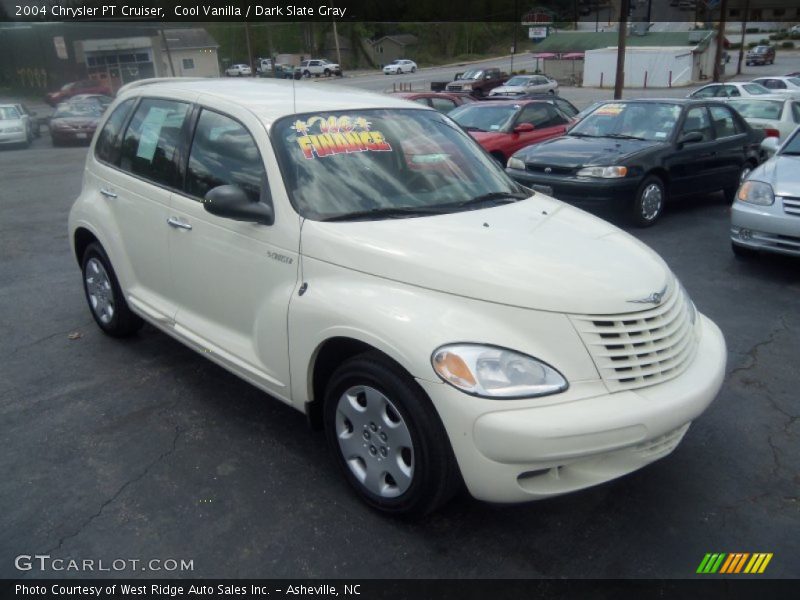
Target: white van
[(361, 258)]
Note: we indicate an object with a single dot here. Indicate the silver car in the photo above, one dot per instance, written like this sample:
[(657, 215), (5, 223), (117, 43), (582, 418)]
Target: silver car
[(765, 215), (14, 128), (526, 84)]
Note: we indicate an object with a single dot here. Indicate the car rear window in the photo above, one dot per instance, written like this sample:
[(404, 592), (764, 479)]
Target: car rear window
[(8, 113), (759, 109), (755, 89)]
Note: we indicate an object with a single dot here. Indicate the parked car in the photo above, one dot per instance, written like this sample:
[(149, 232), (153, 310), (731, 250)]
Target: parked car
[(636, 154), (526, 84), (14, 127), (440, 324), (565, 106), (760, 55), (441, 101), (766, 214), (74, 122), (780, 85), (502, 128), (733, 89), (776, 115), (478, 82), (29, 116), (86, 86), (239, 70), (400, 66), (320, 66), (264, 67)]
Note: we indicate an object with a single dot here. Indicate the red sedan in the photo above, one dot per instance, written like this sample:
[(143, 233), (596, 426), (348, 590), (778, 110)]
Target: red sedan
[(67, 91), (502, 128), (442, 102)]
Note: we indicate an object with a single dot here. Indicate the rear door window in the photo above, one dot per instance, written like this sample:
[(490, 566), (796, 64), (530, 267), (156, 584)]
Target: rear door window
[(724, 122), (150, 147)]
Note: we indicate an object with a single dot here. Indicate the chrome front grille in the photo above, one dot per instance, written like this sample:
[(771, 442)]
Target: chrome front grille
[(791, 206), (639, 349)]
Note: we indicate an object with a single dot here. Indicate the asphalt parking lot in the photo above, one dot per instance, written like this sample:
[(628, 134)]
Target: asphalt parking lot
[(142, 449)]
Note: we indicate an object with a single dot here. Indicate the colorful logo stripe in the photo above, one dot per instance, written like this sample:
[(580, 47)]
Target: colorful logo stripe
[(732, 563)]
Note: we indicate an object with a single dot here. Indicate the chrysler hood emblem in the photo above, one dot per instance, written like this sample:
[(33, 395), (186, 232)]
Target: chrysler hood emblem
[(548, 170), (654, 298)]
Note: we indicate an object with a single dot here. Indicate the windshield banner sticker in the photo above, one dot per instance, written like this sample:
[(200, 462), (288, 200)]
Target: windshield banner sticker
[(325, 136), (610, 109)]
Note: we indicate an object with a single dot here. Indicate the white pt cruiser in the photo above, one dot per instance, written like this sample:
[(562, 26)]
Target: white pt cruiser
[(362, 259)]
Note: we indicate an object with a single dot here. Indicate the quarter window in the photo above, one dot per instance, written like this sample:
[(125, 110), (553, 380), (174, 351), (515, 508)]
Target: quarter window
[(107, 146), (151, 143), (224, 153)]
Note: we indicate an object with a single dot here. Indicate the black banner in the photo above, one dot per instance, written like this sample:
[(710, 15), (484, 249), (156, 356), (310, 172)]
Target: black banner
[(531, 12), (411, 589)]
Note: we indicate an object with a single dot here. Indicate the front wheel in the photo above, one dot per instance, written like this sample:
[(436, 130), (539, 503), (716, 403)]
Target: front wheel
[(327, 72), (387, 438), (306, 74), (649, 201), (103, 293)]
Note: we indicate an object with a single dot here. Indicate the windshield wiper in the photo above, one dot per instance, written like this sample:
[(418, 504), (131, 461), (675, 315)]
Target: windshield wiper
[(790, 153), (622, 136), (387, 211), (471, 128), (509, 197), (579, 134)]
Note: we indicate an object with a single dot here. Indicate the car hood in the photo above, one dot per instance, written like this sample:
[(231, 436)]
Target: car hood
[(574, 152), (782, 173), (538, 253), (508, 89)]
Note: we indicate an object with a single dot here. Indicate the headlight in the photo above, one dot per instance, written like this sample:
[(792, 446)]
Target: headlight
[(756, 192), (515, 163), (604, 172), (491, 372)]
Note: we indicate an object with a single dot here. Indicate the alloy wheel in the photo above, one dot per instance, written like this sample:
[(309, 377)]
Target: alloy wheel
[(98, 288), (652, 198)]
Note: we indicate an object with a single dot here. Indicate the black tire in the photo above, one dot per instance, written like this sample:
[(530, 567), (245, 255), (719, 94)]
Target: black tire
[(124, 322), (307, 74), (327, 72), (413, 69), (643, 213), (743, 252), (434, 475)]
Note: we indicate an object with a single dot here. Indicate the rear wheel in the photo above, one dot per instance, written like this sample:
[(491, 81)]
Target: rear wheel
[(387, 438), (103, 293), (649, 201), (413, 69)]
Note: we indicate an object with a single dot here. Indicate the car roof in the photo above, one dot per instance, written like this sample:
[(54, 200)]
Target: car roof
[(504, 102), (269, 99), (773, 97)]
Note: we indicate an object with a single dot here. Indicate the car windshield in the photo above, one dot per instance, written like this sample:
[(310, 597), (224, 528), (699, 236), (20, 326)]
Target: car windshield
[(759, 109), (8, 113), (755, 89), (472, 74), (86, 110), (792, 145), (484, 117), (652, 121), (518, 81), (381, 163)]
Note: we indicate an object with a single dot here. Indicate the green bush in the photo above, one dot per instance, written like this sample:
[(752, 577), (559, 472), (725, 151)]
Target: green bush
[(734, 46), (752, 30), (763, 42), (752, 44), (787, 45)]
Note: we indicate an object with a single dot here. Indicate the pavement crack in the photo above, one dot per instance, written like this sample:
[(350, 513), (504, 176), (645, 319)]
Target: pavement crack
[(119, 492), (752, 354)]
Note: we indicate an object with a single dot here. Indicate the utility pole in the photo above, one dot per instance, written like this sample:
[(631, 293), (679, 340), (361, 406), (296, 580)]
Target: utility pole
[(249, 48), (744, 31), (723, 9), (336, 41), (169, 54), (514, 47), (622, 39)]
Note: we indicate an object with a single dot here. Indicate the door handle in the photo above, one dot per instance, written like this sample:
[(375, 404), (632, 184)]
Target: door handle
[(177, 223), (107, 193)]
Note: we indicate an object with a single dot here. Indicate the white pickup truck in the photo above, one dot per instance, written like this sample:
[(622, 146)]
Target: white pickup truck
[(317, 67)]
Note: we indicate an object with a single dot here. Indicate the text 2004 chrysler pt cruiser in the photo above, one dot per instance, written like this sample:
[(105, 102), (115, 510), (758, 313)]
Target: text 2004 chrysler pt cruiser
[(362, 259)]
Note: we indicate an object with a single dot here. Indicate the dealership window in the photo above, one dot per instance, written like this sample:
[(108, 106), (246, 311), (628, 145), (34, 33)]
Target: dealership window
[(223, 152), (188, 63), (150, 145)]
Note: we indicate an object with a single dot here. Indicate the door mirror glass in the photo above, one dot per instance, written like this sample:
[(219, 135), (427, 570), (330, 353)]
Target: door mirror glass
[(232, 202)]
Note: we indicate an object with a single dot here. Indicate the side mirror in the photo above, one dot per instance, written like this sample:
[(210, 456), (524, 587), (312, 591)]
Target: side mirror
[(690, 138), (231, 202), (524, 128), (770, 145)]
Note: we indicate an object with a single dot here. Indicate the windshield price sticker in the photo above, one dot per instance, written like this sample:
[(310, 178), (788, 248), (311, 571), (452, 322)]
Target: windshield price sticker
[(610, 109), (321, 136)]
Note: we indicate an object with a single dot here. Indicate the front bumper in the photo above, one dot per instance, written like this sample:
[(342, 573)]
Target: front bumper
[(766, 228), (583, 192), (554, 445)]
